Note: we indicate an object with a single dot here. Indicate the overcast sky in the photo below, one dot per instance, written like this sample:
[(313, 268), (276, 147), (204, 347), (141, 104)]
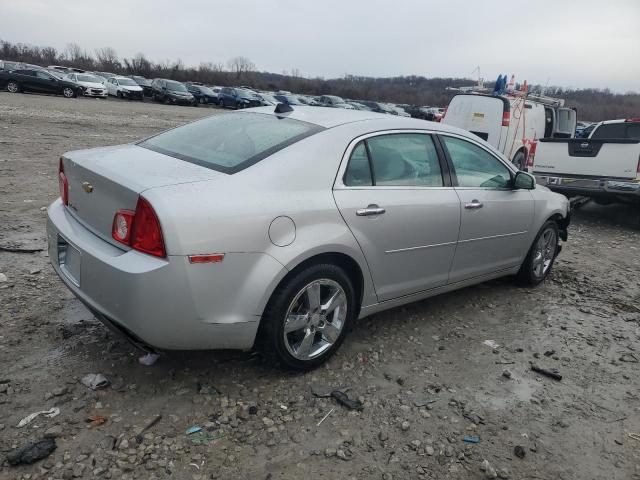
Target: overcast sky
[(585, 43)]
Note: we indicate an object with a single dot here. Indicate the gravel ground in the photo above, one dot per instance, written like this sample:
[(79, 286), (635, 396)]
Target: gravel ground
[(425, 376)]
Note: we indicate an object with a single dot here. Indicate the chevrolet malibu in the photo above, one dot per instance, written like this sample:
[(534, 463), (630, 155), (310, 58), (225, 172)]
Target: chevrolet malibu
[(277, 229)]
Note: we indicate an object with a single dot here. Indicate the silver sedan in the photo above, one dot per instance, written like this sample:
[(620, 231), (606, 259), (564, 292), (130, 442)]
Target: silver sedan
[(277, 229)]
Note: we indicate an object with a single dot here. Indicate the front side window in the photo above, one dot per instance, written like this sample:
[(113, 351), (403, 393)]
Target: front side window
[(395, 160), (232, 142), (475, 167), (43, 75)]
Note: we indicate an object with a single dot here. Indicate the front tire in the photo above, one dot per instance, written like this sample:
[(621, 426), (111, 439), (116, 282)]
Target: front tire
[(542, 254), (69, 92), (13, 87), (307, 317)]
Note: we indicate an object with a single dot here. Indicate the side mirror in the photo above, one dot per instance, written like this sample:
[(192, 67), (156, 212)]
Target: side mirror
[(524, 181)]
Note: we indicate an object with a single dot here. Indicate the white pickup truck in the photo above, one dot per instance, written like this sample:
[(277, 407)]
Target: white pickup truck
[(605, 166)]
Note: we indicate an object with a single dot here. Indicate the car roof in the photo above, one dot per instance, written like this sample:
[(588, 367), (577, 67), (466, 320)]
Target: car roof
[(333, 117)]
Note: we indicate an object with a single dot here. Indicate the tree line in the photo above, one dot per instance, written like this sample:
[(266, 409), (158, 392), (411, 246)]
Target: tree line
[(592, 104)]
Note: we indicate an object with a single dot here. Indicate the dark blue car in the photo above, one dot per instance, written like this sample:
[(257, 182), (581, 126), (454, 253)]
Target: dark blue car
[(238, 98), (202, 94), (288, 99)]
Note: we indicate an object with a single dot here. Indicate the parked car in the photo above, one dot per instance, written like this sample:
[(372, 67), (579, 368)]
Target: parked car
[(377, 107), (105, 74), (170, 91), (39, 81), (202, 94), (308, 100), (396, 110), (92, 86), (216, 90), (358, 106), (124, 87), (238, 98), (287, 99), (145, 83), (335, 102), (604, 167), (268, 99), (65, 69), (257, 229)]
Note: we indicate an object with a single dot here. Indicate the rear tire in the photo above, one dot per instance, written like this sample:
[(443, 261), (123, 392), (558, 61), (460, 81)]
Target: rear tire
[(315, 328), (13, 87), (542, 254)]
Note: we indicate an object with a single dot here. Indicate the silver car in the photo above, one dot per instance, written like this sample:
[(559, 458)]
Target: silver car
[(277, 229)]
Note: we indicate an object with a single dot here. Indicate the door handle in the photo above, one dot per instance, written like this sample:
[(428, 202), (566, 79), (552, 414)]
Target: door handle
[(474, 204), (372, 209)]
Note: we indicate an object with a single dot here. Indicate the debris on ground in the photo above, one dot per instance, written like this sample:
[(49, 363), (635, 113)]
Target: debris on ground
[(148, 359), (10, 249), (549, 353), (140, 436), (506, 374), (52, 412), (489, 471), (95, 420), (325, 417), (471, 439), (519, 451), (549, 373), (3, 278), (321, 390), (629, 358), (344, 399), (95, 381), (32, 452), (192, 430), (491, 344)]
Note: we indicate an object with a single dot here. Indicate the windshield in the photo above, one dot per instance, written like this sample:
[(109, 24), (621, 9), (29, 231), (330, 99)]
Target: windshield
[(127, 82), (205, 90), (242, 92), (88, 78), (176, 87), (269, 98), (292, 100), (230, 142)]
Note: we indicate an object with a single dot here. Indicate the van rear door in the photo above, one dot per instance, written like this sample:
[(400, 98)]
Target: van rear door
[(566, 121), (479, 114)]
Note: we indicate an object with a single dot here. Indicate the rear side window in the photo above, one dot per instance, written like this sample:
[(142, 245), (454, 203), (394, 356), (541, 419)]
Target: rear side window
[(403, 159), (231, 142), (617, 130)]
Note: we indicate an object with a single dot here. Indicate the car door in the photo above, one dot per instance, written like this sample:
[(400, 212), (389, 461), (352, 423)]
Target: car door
[(395, 195), (46, 83), (495, 217)]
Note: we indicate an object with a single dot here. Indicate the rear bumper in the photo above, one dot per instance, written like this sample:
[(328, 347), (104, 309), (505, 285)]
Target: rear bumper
[(589, 186), (164, 303)]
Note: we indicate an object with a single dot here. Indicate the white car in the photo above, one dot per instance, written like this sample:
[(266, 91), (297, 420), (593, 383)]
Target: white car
[(124, 87), (92, 85)]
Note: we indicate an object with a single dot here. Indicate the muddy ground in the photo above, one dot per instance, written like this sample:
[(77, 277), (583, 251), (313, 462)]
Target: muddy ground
[(423, 372)]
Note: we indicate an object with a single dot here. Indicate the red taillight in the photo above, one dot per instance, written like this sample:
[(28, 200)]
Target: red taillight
[(532, 154), (632, 119), (63, 184), (506, 117), (444, 113), (140, 229)]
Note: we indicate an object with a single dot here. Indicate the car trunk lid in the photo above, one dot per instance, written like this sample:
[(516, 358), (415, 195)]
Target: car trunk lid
[(105, 180)]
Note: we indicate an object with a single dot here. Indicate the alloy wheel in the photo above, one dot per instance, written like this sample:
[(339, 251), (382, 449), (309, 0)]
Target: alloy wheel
[(68, 92), (315, 319), (13, 87), (544, 252)]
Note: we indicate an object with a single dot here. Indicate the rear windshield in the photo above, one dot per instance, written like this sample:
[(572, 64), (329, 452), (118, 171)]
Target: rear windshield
[(618, 130), (230, 142)]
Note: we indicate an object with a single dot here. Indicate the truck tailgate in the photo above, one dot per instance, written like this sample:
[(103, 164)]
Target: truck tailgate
[(611, 158)]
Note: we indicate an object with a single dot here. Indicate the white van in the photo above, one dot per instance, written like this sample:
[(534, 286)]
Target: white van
[(512, 123)]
